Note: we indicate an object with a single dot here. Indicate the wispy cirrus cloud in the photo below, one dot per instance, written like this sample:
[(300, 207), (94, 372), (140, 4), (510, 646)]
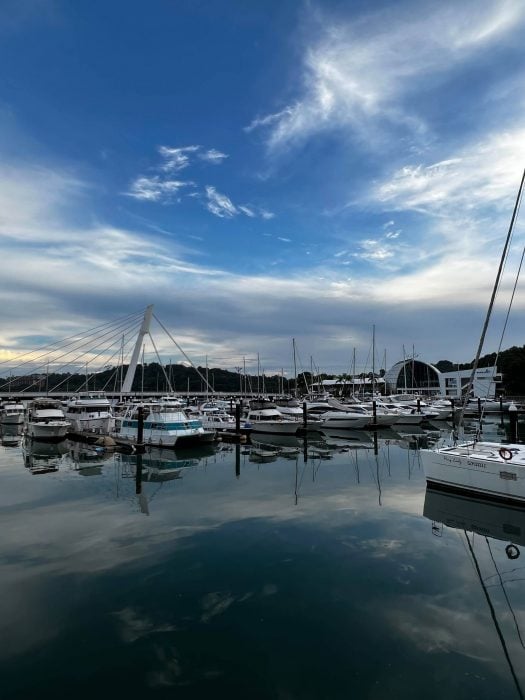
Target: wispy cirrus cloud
[(219, 204), (481, 174), (213, 156), (361, 74), (156, 189), (160, 188), (176, 159), (223, 207)]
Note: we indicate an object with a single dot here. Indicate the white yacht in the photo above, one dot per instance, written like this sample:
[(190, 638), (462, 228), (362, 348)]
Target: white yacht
[(45, 420), (164, 426), (12, 413), (490, 468), (344, 419), (91, 412), (292, 409), (264, 417)]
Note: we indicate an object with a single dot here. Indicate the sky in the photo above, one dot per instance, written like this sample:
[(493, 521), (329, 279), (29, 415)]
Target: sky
[(262, 171)]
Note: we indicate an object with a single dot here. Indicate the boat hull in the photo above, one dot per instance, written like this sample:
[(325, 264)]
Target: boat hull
[(275, 427), (13, 419), (47, 432), (478, 468)]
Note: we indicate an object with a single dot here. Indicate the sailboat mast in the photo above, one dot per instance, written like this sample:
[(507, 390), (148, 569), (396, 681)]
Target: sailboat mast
[(373, 360), (494, 291)]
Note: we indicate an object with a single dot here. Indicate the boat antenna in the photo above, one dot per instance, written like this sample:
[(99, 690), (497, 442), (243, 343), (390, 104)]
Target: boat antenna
[(493, 296)]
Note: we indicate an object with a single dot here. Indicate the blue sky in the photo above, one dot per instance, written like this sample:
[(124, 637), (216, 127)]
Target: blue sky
[(261, 171)]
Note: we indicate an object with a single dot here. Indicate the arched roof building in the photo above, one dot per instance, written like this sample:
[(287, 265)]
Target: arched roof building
[(413, 376)]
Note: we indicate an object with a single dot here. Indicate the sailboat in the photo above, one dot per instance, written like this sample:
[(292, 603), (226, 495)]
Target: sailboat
[(494, 469)]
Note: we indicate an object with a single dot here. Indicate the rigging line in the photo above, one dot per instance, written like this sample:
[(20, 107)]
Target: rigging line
[(505, 594), (168, 383), (518, 273), (117, 338), (74, 360), (57, 342), (509, 571), (494, 618), (182, 351), (117, 351), (70, 362), (493, 295), (113, 375), (82, 340), (507, 316)]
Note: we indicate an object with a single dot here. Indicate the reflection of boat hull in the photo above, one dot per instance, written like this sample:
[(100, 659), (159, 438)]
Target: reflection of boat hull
[(344, 439), (478, 467), (279, 440), (42, 457), (260, 455), (11, 435), (160, 464), (472, 513)]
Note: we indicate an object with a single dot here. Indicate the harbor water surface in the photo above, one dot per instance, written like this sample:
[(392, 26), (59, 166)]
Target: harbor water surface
[(245, 571)]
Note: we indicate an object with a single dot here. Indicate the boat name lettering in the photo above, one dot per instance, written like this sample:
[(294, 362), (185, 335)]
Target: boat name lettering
[(481, 465), (453, 460)]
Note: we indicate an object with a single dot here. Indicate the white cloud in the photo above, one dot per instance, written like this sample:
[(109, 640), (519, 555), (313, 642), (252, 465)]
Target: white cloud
[(219, 204), (373, 250), (285, 240), (265, 214), (480, 174), (155, 189), (213, 156), (176, 159), (246, 210), (268, 120), (359, 74)]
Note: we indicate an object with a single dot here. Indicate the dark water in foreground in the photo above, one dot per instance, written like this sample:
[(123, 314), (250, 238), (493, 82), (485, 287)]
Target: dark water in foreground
[(311, 575)]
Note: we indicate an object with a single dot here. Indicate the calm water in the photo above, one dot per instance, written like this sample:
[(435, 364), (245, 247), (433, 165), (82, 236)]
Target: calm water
[(311, 575)]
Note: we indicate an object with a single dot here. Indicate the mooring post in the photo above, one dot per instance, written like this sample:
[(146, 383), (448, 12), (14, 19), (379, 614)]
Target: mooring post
[(305, 416), (238, 418), (479, 406), (138, 474), (374, 412), (238, 460), (140, 430)]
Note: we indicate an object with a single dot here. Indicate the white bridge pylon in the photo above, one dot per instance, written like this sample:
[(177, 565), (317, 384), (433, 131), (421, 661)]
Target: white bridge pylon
[(144, 330)]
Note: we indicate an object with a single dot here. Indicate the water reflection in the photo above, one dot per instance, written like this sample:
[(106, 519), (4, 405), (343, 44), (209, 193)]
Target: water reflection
[(246, 578), (42, 457), (11, 434), (471, 516)]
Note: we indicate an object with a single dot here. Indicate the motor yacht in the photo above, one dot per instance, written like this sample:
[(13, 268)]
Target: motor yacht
[(163, 426), (45, 420), (12, 413), (90, 412)]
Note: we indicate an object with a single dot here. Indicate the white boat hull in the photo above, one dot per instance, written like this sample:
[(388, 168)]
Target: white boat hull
[(275, 427), (50, 432), (101, 426), (479, 468), (13, 419), (345, 423)]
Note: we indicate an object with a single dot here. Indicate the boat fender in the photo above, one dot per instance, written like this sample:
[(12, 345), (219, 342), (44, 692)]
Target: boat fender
[(512, 551), (505, 453)]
